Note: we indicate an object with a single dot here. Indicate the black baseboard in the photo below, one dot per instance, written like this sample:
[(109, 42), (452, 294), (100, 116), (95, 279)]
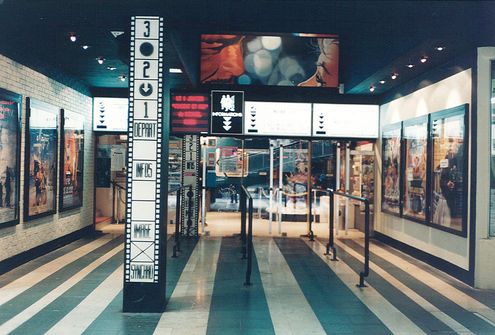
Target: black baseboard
[(26, 256), (441, 264)]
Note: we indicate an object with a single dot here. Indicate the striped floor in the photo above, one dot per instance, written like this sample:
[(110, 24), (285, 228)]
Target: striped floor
[(295, 289)]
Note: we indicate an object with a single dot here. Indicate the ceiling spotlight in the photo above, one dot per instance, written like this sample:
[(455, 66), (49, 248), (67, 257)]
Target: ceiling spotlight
[(394, 76), (72, 37), (383, 81), (372, 88), (410, 65), (439, 48), (122, 77), (423, 59), (85, 47), (100, 60), (111, 68), (174, 70)]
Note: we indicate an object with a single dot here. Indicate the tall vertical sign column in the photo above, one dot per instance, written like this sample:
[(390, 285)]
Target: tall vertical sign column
[(145, 242)]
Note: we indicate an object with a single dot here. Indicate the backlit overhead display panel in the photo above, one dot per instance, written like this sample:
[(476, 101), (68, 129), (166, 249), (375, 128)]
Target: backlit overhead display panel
[(276, 60), (110, 114), (189, 113), (345, 121), (277, 119)]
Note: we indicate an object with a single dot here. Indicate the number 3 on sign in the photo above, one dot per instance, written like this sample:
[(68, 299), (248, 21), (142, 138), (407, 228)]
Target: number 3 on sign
[(147, 28)]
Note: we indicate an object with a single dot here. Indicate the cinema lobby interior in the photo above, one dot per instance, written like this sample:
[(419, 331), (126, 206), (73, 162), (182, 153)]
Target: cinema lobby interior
[(220, 167)]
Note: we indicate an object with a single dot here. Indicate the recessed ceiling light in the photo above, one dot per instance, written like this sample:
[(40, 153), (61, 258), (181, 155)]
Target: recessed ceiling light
[(439, 48), (410, 65), (122, 77), (394, 75), (100, 60), (423, 59), (85, 47), (383, 81), (72, 37), (174, 70), (372, 88), (111, 68)]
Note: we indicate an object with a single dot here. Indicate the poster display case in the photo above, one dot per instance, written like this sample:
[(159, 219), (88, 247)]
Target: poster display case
[(71, 161), (448, 170), (391, 167), (40, 179), (10, 110), (415, 134)]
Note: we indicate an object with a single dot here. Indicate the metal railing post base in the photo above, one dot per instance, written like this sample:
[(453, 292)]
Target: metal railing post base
[(361, 281)]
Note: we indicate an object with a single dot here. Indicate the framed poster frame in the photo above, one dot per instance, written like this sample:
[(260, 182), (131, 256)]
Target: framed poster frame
[(451, 112), (79, 119), (16, 98), (411, 123), (30, 104), (389, 129)]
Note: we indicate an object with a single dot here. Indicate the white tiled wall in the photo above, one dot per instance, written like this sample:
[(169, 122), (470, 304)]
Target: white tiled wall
[(29, 83)]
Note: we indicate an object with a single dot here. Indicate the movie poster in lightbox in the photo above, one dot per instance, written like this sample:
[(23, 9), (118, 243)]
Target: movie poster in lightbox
[(391, 155), (71, 161), (10, 106), (40, 180)]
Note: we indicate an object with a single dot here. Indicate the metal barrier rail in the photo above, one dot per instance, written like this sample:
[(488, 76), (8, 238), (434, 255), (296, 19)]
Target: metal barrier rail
[(178, 216), (330, 244), (247, 241)]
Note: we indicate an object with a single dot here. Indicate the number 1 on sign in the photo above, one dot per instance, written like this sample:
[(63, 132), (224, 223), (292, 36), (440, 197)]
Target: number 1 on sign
[(146, 110)]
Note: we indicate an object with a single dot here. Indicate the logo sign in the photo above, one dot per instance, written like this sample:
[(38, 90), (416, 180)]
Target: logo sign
[(143, 165), (227, 112), (189, 113), (277, 119)]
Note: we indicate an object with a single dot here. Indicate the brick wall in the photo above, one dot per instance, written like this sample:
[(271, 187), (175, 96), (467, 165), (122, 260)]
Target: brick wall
[(29, 83)]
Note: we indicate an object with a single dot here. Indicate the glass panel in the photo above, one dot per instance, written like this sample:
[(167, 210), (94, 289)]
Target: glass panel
[(448, 172), (415, 141), (390, 172), (295, 179)]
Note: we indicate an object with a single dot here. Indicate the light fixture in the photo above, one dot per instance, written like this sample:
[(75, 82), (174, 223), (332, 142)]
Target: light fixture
[(394, 76), (100, 60), (423, 59), (175, 70), (122, 77), (85, 47), (72, 37), (111, 68), (383, 81), (372, 88), (439, 48), (410, 65)]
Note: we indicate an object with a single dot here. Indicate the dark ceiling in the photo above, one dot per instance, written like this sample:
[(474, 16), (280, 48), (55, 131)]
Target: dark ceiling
[(376, 37)]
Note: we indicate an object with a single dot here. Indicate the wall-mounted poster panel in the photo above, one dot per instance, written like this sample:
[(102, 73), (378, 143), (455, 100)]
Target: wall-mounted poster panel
[(277, 119), (189, 113), (110, 114), (449, 169), (278, 60), (40, 179), (345, 120), (10, 110), (415, 134), (71, 161), (391, 167)]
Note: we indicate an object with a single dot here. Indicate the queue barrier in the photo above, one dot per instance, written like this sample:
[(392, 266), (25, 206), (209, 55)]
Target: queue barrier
[(330, 245), (247, 233)]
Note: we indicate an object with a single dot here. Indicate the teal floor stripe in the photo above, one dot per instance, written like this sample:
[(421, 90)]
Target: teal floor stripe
[(336, 307), (113, 321), (235, 308), (33, 294), (55, 311)]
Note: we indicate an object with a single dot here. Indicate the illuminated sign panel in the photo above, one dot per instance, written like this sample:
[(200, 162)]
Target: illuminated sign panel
[(110, 114), (226, 112), (277, 119), (345, 121), (189, 113)]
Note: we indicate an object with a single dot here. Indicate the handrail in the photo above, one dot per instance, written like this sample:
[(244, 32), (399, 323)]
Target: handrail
[(330, 244), (247, 241), (178, 216)]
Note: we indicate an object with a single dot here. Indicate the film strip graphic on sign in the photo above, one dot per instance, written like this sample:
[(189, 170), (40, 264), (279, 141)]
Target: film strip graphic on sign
[(190, 176), (142, 229)]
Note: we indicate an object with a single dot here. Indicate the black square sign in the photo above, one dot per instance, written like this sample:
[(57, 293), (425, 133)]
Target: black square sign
[(227, 112)]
